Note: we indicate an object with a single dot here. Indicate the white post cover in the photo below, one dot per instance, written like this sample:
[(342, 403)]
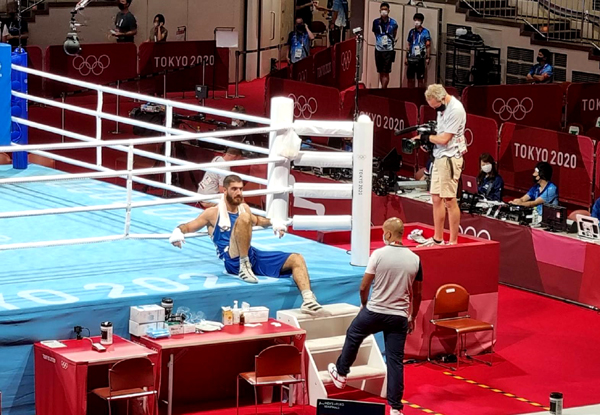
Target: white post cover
[(362, 179)]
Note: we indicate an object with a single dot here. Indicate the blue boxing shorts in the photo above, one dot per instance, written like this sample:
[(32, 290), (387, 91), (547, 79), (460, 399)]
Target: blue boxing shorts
[(264, 263)]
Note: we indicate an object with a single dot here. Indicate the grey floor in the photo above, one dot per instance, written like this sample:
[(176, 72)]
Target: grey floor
[(582, 410)]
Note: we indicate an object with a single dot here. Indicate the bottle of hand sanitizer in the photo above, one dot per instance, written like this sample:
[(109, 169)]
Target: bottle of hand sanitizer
[(236, 313)]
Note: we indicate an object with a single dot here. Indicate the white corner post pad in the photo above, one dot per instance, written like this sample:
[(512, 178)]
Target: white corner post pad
[(278, 173)]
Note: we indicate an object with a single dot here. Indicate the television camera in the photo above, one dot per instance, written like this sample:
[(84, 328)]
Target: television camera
[(425, 131)]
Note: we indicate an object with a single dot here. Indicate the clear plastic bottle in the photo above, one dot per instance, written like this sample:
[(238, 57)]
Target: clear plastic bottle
[(236, 313)]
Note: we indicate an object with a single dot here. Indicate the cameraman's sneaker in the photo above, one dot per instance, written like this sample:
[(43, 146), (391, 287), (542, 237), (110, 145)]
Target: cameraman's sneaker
[(396, 412), (246, 274), (338, 380), (431, 242), (417, 236)]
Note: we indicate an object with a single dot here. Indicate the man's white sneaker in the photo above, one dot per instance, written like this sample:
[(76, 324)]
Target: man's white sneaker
[(396, 412), (431, 242), (338, 380), (246, 274), (312, 307)]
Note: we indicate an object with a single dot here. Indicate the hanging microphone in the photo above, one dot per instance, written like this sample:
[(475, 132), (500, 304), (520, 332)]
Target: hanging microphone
[(72, 46), (81, 5)]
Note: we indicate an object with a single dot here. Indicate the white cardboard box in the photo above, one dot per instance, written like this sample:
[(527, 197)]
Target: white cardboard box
[(139, 329), (151, 313), (256, 315)]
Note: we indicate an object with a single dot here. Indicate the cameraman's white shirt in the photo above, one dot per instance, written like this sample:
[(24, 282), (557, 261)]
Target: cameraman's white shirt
[(453, 121)]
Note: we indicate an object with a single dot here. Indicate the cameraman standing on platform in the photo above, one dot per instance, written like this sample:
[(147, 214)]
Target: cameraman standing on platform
[(450, 145)]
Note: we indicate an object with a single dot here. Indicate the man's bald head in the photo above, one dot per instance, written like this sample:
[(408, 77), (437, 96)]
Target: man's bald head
[(394, 226)]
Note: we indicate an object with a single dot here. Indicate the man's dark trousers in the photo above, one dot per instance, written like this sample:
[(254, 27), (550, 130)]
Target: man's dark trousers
[(395, 329)]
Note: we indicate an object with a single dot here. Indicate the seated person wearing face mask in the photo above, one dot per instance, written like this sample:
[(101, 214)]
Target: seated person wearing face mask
[(489, 183), (299, 42), (543, 192)]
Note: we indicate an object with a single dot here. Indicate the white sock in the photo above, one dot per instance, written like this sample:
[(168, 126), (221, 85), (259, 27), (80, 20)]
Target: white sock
[(244, 259), (307, 295)]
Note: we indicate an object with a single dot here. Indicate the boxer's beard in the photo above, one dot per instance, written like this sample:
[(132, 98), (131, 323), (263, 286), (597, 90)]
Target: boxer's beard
[(234, 201)]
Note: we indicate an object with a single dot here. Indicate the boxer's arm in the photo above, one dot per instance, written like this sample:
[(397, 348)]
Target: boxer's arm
[(205, 218)]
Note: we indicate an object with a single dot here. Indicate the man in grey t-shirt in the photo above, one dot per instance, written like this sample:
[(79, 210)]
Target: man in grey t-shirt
[(396, 276), (125, 23)]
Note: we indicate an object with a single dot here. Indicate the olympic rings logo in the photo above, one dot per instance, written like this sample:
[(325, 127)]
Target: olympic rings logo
[(91, 64), (346, 58), (304, 107), (469, 134), (513, 108), (483, 234)]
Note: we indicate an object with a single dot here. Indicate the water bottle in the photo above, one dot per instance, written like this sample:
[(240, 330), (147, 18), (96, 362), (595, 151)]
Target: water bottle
[(556, 403), (106, 331)]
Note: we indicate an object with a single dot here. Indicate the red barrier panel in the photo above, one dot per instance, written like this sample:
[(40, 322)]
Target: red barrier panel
[(533, 105), (388, 115), (303, 71), (415, 95), (583, 104), (35, 61), (158, 57), (345, 63), (571, 157), (283, 73), (481, 135), (597, 189), (314, 102), (323, 63), (100, 63)]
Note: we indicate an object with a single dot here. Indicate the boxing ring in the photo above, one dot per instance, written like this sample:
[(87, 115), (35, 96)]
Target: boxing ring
[(76, 250)]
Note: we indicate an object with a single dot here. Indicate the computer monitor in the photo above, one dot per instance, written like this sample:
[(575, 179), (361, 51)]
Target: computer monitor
[(469, 184), (342, 407), (554, 218), (391, 162)]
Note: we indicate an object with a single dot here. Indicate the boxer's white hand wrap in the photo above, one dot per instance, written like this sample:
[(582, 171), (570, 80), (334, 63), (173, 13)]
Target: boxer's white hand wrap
[(177, 236), (278, 226)]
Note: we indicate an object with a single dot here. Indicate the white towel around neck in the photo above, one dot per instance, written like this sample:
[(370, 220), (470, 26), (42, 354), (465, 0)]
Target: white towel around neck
[(224, 221)]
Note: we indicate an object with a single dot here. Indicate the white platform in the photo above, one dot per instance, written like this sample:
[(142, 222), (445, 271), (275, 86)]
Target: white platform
[(325, 339)]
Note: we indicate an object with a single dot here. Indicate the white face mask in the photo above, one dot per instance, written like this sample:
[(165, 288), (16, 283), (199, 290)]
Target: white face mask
[(486, 168), (235, 123), (417, 24), (384, 13), (384, 240)]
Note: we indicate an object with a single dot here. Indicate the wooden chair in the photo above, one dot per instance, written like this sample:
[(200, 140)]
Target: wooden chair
[(130, 379), (276, 365), (450, 301)]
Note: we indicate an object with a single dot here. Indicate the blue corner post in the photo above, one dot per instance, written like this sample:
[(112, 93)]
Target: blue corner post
[(19, 133), (5, 102)]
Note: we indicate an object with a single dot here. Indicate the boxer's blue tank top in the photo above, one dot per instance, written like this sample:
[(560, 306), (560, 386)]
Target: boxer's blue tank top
[(220, 237)]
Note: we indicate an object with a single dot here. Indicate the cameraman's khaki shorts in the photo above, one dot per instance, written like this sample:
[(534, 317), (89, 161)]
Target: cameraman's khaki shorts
[(445, 175)]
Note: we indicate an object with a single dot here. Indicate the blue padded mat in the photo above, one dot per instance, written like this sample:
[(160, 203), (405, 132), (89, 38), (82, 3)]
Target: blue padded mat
[(44, 292)]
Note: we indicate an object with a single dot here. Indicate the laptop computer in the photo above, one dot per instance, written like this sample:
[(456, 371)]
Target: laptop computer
[(342, 407), (469, 184), (587, 227)]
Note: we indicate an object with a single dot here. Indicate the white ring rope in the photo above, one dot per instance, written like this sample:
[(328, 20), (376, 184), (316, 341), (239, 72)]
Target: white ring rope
[(141, 97), (210, 137)]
